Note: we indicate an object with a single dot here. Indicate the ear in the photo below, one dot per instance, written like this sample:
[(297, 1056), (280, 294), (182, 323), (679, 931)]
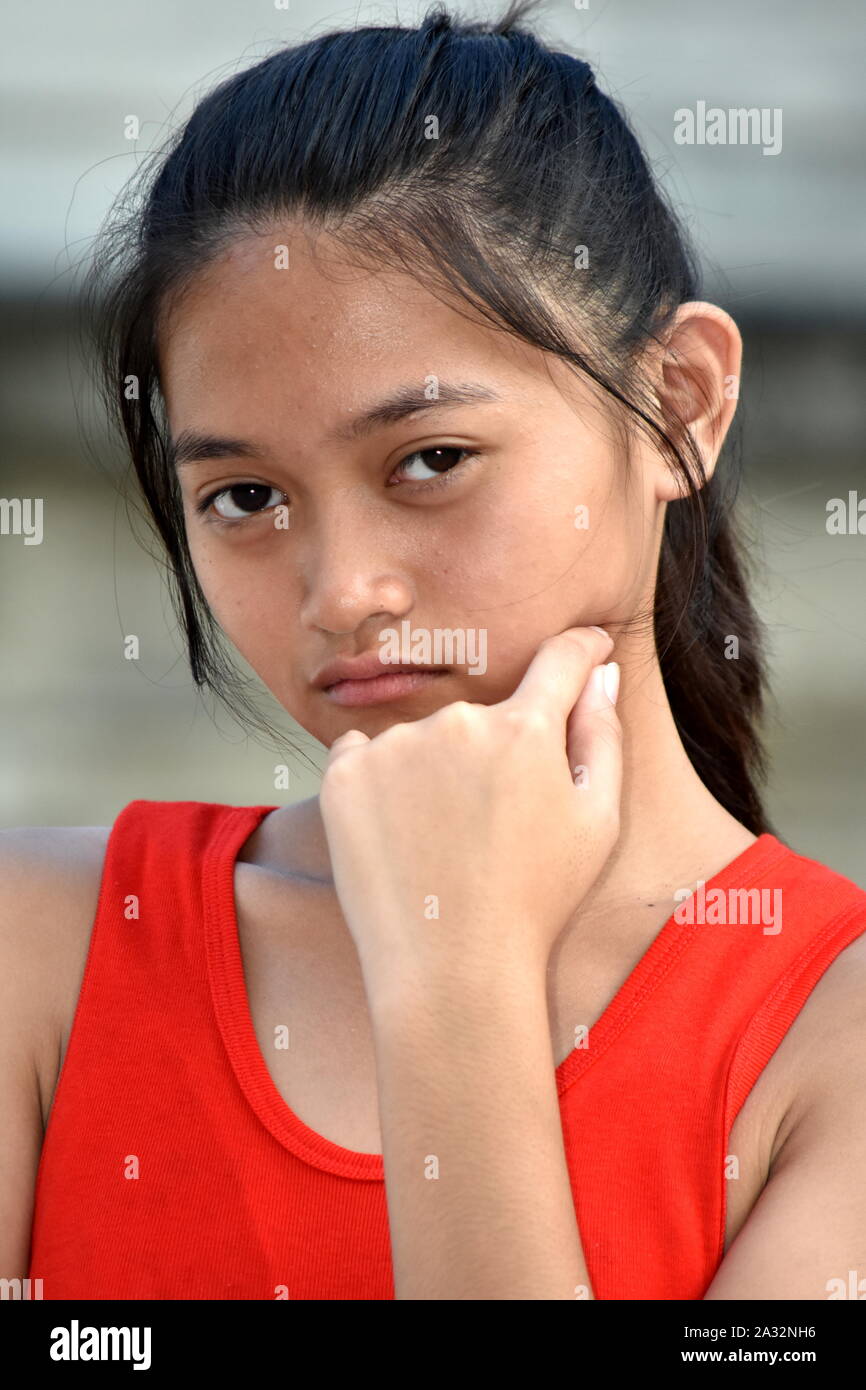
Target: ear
[(697, 378)]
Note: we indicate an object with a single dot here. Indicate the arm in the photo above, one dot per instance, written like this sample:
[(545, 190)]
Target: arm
[(460, 846), (807, 1231), (20, 1114), (479, 1196), (49, 880)]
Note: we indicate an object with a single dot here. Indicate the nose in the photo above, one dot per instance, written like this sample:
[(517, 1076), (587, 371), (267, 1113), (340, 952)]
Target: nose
[(346, 582)]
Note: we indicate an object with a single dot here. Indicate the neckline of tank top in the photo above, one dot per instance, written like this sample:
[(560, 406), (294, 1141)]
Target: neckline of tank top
[(231, 1000)]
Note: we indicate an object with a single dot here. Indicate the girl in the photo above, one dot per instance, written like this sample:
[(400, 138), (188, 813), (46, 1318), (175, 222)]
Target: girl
[(530, 1002)]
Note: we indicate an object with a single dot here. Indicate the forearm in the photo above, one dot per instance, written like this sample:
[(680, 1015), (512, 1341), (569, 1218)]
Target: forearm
[(479, 1200)]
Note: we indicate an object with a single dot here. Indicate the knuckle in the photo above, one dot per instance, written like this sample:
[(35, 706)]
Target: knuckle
[(556, 641), (576, 636), (341, 771), (459, 714), (395, 733), (333, 778), (524, 719)]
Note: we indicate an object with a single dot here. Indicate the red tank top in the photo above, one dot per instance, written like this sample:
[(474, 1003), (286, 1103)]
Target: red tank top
[(173, 1169)]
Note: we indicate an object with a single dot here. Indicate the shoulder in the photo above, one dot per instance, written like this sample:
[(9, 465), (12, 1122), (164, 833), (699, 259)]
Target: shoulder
[(291, 843), (49, 888), (821, 1059), (829, 1032), (41, 865), (784, 1057), (46, 872), (49, 884), (807, 1231), (820, 896)]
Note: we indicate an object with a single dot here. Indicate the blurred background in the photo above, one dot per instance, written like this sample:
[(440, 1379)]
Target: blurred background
[(85, 731)]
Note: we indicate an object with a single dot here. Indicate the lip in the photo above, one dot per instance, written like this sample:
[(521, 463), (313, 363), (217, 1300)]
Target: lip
[(376, 690), (367, 666)]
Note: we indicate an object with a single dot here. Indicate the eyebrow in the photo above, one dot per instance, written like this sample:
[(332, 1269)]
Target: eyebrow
[(193, 446)]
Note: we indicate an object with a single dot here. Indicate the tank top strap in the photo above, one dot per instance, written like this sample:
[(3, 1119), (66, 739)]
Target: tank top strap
[(152, 881), (773, 1018)]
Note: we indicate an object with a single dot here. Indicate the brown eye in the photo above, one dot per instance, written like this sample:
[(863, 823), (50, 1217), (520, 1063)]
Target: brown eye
[(243, 499), (443, 458)]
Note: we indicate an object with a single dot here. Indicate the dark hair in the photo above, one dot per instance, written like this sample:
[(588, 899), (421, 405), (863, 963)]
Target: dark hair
[(530, 161)]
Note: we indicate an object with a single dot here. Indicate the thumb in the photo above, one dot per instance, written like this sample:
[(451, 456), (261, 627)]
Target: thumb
[(594, 740)]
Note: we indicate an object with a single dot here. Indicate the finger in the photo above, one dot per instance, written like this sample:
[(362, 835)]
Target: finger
[(350, 739), (594, 740), (560, 669)]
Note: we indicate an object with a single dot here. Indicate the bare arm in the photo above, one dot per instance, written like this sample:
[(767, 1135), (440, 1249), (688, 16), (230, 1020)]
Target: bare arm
[(476, 1179), (20, 1112), (479, 1197), (49, 882)]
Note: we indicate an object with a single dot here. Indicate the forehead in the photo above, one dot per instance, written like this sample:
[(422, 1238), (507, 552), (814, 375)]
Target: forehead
[(285, 320)]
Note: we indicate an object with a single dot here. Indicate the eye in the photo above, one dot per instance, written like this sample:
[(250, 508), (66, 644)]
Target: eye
[(241, 500), (440, 465)]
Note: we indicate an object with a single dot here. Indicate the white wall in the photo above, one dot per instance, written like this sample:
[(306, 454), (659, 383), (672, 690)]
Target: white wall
[(786, 230)]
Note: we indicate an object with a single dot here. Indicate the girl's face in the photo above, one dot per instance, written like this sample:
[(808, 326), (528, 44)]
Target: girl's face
[(329, 514)]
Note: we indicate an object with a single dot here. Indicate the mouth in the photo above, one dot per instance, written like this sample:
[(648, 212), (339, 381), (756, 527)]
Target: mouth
[(376, 690)]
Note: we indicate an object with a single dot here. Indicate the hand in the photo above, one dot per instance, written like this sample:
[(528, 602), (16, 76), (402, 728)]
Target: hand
[(464, 839)]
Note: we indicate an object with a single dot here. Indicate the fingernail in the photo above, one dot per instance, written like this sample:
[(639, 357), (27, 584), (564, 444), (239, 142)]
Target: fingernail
[(611, 680), (602, 630), (595, 694)]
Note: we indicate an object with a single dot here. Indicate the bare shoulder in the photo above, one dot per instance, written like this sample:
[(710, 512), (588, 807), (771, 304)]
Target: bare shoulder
[(49, 887), (820, 1064), (291, 843), (806, 1232)]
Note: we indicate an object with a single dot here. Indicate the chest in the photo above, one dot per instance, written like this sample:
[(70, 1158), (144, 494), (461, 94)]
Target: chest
[(310, 1017)]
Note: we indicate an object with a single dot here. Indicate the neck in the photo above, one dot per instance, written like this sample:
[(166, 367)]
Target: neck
[(672, 828)]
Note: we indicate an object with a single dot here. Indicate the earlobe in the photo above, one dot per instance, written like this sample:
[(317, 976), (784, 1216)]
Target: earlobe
[(697, 383)]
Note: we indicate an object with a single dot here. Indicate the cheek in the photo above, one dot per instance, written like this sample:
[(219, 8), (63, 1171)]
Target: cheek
[(567, 551), (252, 605), (556, 539), (603, 538), (607, 542), (215, 577)]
